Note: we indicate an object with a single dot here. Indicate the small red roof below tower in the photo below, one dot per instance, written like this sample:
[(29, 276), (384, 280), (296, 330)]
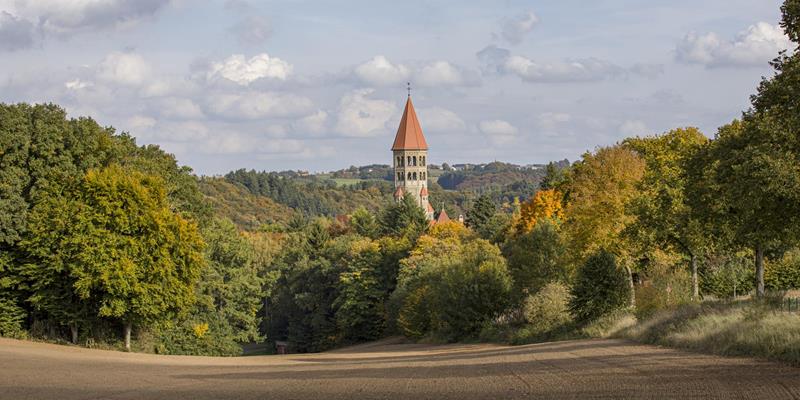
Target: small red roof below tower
[(398, 193), (424, 191), (409, 134), (442, 217)]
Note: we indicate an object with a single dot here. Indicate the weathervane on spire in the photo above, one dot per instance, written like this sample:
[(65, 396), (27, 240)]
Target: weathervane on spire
[(409, 88)]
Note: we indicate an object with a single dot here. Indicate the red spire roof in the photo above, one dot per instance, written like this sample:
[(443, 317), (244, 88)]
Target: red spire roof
[(409, 134), (443, 217)]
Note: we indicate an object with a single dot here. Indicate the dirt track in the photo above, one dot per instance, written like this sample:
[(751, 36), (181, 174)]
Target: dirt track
[(576, 369)]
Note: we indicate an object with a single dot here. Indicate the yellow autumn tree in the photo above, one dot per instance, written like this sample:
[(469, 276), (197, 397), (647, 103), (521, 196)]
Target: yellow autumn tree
[(545, 204)]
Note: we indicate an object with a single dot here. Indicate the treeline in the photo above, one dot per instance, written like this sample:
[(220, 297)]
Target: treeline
[(312, 196), (99, 236)]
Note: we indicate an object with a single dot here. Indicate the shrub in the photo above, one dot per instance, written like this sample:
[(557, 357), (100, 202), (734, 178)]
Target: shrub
[(666, 287), (600, 288), (784, 274), (548, 309)]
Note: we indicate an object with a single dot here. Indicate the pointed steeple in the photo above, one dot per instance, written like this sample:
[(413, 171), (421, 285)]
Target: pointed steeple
[(409, 134)]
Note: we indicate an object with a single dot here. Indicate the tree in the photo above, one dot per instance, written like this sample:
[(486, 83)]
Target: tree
[(359, 305), (364, 223), (790, 22), (555, 177), (600, 288), (664, 218), (124, 252), (480, 214), (451, 284), (404, 218), (601, 186), (545, 204), (537, 258)]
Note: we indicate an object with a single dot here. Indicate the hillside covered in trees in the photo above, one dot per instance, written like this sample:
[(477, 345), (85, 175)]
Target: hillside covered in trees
[(105, 242)]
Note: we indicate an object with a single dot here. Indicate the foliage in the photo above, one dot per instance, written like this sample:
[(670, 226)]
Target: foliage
[(548, 309), (545, 204), (451, 285), (359, 311), (600, 288), (537, 258), (247, 211), (89, 265), (364, 223), (725, 275), (665, 287), (480, 214), (403, 218), (601, 186), (784, 274)]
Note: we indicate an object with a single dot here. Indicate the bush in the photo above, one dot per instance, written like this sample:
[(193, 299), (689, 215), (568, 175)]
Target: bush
[(665, 288), (548, 309), (784, 274), (600, 288)]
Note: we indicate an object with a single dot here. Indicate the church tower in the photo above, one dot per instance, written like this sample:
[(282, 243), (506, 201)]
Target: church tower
[(411, 160)]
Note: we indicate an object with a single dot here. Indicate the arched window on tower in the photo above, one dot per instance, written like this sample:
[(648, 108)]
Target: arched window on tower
[(409, 161), (399, 176), (422, 161), (409, 176), (415, 176), (399, 161), (414, 161)]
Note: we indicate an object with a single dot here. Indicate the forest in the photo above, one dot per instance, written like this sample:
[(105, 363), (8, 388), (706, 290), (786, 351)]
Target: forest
[(107, 243)]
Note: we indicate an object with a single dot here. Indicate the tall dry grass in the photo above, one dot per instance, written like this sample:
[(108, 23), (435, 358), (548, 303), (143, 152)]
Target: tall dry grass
[(738, 329)]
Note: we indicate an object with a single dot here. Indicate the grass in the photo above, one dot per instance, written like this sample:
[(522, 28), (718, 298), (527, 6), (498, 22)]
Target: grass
[(728, 329)]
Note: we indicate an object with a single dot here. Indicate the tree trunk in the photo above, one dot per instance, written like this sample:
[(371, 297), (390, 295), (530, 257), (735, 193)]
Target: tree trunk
[(630, 282), (128, 327), (74, 330), (695, 280), (759, 271)]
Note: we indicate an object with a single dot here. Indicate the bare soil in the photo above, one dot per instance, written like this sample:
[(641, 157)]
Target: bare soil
[(583, 369)]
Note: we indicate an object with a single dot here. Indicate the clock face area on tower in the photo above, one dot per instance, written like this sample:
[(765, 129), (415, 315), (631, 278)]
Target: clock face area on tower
[(410, 160)]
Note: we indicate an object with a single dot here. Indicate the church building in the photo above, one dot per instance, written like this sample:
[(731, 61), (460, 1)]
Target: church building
[(410, 152)]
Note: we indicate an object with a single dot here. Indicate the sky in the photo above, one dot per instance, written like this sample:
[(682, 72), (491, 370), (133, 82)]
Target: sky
[(321, 85)]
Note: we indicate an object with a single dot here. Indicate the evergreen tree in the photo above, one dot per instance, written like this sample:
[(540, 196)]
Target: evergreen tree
[(600, 288), (479, 215)]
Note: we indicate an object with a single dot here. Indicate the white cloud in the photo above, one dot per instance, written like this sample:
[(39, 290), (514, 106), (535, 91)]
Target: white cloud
[(68, 17), (438, 119), (242, 71), (498, 131), (123, 68), (634, 128), (584, 70), (379, 71), (514, 29), (496, 60), (361, 116), (315, 123), (754, 46), (77, 84), (550, 121), (258, 105), (439, 73)]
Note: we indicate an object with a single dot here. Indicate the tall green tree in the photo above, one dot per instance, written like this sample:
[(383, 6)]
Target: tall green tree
[(125, 253), (537, 258), (664, 218), (480, 214), (404, 218)]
